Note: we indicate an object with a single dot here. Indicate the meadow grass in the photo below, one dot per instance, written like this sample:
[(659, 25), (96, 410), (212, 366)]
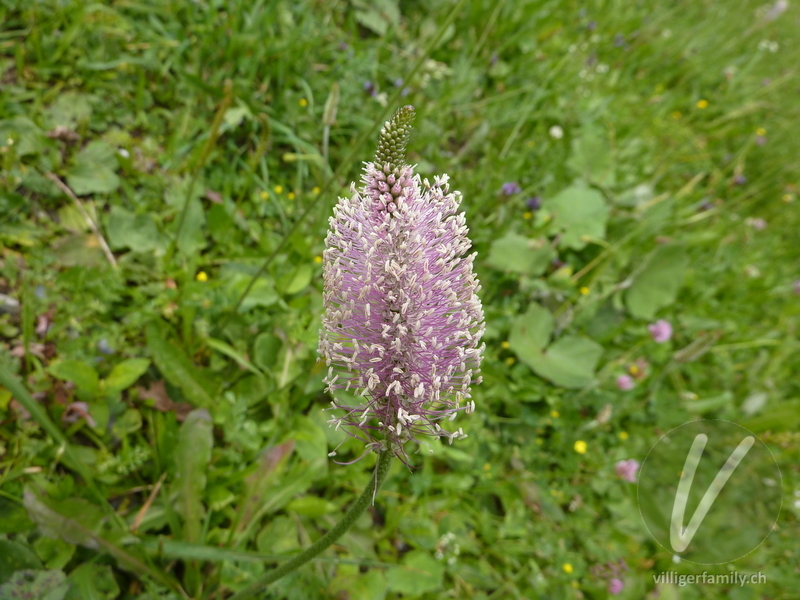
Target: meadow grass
[(161, 431)]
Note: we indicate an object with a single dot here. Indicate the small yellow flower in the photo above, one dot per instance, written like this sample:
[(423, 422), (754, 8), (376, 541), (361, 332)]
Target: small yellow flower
[(580, 447), (278, 189), (487, 467), (318, 259), (567, 568), (761, 131), (554, 414), (202, 276), (303, 102), (584, 290), (264, 194), (290, 195), (315, 190), (505, 345), (788, 198), (676, 114), (510, 360), (633, 369), (701, 104), (527, 215), (623, 435)]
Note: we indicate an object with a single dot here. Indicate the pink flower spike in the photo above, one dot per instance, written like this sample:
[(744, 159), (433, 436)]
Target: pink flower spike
[(627, 469), (625, 383), (403, 322), (615, 586), (661, 331)]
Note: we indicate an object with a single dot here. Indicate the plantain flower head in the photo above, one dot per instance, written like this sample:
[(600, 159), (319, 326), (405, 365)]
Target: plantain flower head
[(403, 323)]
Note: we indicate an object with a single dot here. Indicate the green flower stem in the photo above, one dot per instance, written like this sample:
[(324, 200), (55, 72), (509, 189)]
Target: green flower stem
[(350, 517)]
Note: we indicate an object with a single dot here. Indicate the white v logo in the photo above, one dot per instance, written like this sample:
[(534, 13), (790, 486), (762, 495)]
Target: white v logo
[(679, 537)]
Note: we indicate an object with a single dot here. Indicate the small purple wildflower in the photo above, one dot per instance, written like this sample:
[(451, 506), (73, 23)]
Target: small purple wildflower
[(757, 223), (740, 179), (343, 46), (398, 82), (493, 60), (619, 40), (591, 25), (403, 322), (615, 586), (627, 469), (660, 331), (370, 88), (705, 205), (510, 188), (103, 347), (625, 383), (405, 92), (761, 140), (534, 203)]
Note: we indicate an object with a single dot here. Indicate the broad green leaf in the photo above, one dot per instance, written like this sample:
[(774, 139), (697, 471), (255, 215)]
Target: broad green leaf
[(129, 422), (71, 218), (191, 239), (419, 574), (657, 286), (261, 294), (68, 110), (231, 352), (518, 254), (220, 225), (13, 517), (578, 213), (98, 153), (569, 362), (15, 557), (137, 232), (355, 585), (85, 179), (192, 455), (28, 138), (73, 520), (531, 332), (265, 351), (591, 156), (259, 487), (41, 585), (93, 172), (79, 250), (311, 506), (299, 280), (55, 554), (179, 370), (125, 374), (82, 374), (91, 581), (377, 16)]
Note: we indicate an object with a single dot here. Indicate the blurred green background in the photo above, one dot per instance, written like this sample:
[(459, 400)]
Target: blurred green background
[(620, 163)]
